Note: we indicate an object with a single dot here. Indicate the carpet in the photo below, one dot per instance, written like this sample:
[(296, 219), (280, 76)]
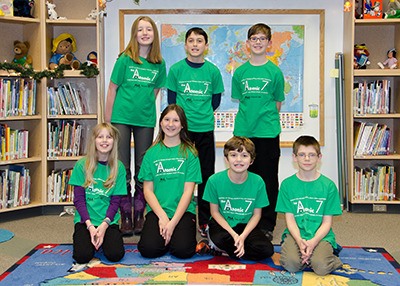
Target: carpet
[(5, 235), (48, 264)]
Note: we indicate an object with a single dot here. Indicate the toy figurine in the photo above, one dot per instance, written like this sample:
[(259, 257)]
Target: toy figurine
[(92, 58), (393, 10), (391, 61), (21, 55), (361, 55), (372, 10), (51, 10)]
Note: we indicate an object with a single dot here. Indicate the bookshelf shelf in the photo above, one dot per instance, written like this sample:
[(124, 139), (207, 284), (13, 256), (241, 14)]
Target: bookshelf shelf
[(21, 161), (40, 32), (371, 176)]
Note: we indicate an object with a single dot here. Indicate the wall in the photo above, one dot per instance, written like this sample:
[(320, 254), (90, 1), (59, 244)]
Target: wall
[(333, 44)]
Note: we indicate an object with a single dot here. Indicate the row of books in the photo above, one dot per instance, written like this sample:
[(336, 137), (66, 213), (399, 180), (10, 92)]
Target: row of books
[(58, 189), (65, 99), (13, 143), (17, 97), (371, 139), (371, 97), (375, 184), (64, 138), (15, 185)]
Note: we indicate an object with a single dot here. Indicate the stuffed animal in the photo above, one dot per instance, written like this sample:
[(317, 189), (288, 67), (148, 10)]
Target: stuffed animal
[(21, 56), (51, 11), (92, 58), (23, 8), (63, 48), (361, 55)]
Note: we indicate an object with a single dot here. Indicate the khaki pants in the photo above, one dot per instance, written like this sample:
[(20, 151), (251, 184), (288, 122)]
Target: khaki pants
[(322, 261)]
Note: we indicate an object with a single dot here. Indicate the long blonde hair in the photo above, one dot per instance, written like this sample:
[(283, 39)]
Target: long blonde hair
[(132, 49), (92, 158)]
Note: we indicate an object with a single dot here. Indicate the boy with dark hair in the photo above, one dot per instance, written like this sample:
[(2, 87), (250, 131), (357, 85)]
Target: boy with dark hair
[(258, 84), (309, 201), (236, 197), (196, 85)]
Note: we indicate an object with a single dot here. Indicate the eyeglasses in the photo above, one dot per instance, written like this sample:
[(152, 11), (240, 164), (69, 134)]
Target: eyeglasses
[(309, 155), (255, 39)]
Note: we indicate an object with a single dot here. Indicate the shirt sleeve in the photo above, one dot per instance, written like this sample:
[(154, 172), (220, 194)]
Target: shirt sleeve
[(80, 203)]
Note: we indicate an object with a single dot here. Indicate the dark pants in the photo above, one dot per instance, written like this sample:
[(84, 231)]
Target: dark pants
[(113, 244), (266, 165), (143, 137), (205, 145), (256, 245), (183, 241)]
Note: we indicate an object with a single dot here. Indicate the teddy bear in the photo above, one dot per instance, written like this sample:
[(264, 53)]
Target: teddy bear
[(21, 56), (63, 48)]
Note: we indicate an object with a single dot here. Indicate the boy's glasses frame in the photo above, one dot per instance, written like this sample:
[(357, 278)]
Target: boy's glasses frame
[(309, 155), (256, 39)]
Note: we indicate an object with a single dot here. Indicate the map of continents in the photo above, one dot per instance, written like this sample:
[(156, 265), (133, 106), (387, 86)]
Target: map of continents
[(227, 50)]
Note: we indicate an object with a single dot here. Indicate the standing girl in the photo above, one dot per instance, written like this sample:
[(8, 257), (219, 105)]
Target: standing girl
[(137, 76), (170, 171), (99, 184)]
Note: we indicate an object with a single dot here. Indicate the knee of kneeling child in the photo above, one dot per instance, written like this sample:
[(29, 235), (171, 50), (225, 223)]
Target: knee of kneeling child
[(291, 265)]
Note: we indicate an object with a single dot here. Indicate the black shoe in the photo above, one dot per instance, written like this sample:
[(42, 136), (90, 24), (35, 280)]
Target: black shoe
[(138, 225)]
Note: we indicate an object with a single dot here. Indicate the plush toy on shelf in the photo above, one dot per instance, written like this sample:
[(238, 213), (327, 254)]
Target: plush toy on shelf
[(51, 11), (391, 61), (92, 58), (21, 56), (63, 48), (361, 55), (23, 8)]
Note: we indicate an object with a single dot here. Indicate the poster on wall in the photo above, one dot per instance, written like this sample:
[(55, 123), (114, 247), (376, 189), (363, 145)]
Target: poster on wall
[(296, 48)]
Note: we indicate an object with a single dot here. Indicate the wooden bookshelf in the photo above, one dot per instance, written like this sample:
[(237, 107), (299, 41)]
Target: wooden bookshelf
[(379, 35), (40, 31)]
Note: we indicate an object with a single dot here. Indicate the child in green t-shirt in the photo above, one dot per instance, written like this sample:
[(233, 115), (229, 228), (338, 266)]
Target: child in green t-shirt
[(138, 75), (258, 84), (196, 85), (236, 198), (309, 201), (170, 171), (99, 184)]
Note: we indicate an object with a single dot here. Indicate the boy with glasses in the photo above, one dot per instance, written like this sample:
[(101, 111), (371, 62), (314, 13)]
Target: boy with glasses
[(258, 84), (309, 201)]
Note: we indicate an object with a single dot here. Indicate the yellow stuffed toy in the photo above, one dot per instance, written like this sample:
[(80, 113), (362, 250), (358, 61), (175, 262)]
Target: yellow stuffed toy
[(63, 48)]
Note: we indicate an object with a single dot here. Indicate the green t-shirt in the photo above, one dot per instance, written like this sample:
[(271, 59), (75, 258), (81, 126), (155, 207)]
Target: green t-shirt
[(135, 100), (194, 88), (97, 196), (236, 202), (309, 202), (169, 170), (258, 88)]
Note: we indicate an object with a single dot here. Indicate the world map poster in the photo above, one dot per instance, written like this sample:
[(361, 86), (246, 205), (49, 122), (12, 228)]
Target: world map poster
[(228, 50)]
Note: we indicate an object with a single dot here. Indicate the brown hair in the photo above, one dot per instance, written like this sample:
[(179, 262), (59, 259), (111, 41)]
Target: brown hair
[(240, 143), (186, 143), (306, 141), (259, 28)]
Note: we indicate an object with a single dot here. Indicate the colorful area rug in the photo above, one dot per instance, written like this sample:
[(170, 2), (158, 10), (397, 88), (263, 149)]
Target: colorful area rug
[(48, 264)]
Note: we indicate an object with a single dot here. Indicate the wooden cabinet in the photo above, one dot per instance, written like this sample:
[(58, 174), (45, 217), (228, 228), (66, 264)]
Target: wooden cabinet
[(40, 31), (373, 177)]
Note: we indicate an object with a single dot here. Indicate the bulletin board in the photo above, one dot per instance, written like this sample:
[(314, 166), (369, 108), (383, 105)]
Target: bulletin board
[(297, 48)]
